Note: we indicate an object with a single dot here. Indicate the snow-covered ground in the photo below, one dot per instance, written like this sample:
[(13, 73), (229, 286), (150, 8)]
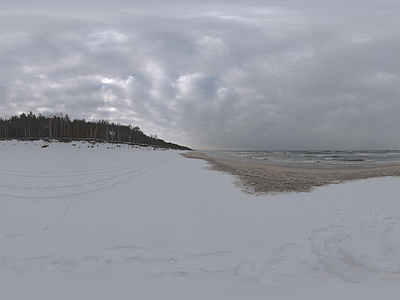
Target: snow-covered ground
[(108, 222)]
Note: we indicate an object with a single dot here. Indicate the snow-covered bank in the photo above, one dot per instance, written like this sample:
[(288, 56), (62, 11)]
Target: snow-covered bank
[(78, 222)]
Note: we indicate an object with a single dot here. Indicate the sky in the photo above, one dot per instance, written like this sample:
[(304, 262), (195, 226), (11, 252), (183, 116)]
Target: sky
[(260, 75)]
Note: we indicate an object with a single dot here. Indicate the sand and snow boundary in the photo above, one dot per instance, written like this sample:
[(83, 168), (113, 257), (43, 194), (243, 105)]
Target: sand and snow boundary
[(261, 179)]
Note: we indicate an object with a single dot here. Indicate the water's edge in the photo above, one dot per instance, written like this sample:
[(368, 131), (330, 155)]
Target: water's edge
[(313, 159)]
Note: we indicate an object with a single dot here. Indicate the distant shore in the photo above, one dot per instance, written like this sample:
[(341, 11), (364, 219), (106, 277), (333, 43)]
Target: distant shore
[(259, 179)]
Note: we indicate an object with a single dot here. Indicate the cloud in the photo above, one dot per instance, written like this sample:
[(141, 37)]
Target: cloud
[(255, 76)]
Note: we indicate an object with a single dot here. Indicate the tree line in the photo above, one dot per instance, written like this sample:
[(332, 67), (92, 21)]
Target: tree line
[(62, 127)]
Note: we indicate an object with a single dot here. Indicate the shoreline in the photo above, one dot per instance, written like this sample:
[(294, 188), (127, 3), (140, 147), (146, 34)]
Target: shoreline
[(260, 179), (349, 162)]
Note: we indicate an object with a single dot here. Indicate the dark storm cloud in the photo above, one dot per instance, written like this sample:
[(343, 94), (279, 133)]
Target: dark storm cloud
[(260, 74)]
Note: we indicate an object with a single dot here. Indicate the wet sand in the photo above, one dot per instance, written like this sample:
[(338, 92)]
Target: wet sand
[(260, 179)]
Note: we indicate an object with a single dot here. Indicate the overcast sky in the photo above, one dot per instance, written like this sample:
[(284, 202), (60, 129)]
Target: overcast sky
[(291, 75)]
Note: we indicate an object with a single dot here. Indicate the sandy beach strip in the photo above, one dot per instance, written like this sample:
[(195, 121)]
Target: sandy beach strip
[(261, 179)]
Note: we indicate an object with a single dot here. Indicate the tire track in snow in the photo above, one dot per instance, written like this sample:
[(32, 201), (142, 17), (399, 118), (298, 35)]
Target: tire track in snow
[(60, 185)]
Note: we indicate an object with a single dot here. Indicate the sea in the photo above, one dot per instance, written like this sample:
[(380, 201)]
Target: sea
[(314, 158)]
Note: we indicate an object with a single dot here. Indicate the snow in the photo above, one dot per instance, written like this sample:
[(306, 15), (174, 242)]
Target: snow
[(116, 222)]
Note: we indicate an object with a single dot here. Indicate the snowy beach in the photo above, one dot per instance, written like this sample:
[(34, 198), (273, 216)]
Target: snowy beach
[(262, 179), (108, 221)]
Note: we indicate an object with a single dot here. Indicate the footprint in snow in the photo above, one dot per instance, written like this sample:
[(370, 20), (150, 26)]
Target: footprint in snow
[(14, 235)]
